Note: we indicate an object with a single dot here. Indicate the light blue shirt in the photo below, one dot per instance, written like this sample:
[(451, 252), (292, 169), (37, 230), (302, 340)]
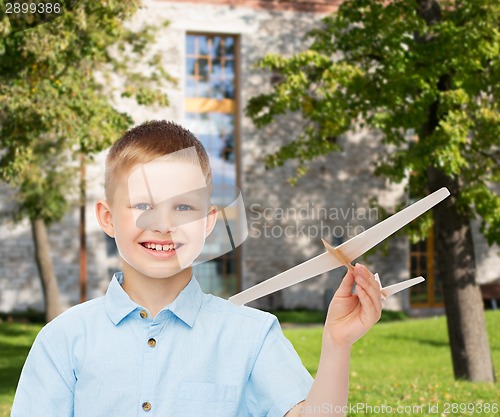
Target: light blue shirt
[(201, 356)]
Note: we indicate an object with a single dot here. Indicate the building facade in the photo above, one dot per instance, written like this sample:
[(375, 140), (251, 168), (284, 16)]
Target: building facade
[(211, 47)]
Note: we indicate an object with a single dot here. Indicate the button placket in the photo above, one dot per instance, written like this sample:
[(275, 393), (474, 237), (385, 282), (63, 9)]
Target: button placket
[(155, 328), (151, 330)]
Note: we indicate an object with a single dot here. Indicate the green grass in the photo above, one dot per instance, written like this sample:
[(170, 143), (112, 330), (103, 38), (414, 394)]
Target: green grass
[(15, 342), (405, 363)]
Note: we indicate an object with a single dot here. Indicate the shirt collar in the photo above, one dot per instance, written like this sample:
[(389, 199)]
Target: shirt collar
[(188, 303), (186, 306), (117, 302)]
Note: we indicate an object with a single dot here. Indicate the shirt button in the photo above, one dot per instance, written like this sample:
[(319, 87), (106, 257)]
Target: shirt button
[(152, 342), (146, 406), (143, 314)]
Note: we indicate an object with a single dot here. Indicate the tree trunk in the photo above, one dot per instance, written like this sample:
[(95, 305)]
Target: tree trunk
[(456, 263), (456, 266), (83, 237), (45, 269)]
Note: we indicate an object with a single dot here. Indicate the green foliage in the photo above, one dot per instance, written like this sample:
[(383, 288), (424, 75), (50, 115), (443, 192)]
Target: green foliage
[(29, 315), (318, 316), (299, 316), (57, 82), (389, 66)]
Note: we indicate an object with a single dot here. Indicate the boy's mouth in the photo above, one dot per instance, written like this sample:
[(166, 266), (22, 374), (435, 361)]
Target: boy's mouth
[(169, 247)]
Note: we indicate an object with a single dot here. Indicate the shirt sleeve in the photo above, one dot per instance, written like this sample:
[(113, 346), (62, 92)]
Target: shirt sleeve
[(46, 385), (278, 380)]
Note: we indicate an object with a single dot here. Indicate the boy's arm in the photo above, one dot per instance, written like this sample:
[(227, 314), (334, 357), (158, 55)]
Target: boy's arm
[(47, 382), (349, 317)]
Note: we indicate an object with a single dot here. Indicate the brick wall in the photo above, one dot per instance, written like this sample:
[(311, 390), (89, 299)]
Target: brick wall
[(315, 6)]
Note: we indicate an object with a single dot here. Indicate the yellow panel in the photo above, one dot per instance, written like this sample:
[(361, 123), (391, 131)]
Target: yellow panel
[(207, 105)]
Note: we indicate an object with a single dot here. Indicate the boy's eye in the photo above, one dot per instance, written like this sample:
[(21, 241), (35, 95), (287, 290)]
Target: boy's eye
[(143, 206), (183, 207)]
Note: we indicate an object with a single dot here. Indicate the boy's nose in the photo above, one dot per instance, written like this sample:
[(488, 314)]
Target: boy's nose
[(157, 220), (163, 227)]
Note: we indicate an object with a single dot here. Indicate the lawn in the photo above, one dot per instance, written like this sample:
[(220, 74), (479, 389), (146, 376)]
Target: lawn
[(405, 363), (15, 342), (408, 364)]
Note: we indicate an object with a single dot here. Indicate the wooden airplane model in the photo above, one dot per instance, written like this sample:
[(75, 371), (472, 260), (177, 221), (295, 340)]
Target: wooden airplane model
[(343, 254)]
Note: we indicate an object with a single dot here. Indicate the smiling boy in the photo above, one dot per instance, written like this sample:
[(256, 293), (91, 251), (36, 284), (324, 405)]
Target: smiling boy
[(155, 344), (159, 215)]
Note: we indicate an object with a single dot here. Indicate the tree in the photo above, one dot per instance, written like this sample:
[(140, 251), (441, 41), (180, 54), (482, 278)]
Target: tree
[(56, 89), (421, 66)]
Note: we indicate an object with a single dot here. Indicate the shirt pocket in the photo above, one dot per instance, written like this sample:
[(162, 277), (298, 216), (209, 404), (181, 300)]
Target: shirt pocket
[(207, 399)]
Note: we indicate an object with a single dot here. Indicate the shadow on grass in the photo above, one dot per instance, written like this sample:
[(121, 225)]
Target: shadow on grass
[(10, 330), (421, 341), (13, 358), (9, 377)]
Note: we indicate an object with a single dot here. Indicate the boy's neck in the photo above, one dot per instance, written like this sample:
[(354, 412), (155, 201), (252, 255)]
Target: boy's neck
[(154, 293)]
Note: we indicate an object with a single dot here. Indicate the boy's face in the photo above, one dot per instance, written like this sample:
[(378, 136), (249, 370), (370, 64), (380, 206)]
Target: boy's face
[(161, 216)]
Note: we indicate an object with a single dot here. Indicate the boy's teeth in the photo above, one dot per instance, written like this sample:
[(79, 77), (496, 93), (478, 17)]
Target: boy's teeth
[(160, 247)]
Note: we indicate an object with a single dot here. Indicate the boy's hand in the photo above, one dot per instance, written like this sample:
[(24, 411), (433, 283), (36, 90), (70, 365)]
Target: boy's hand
[(350, 316)]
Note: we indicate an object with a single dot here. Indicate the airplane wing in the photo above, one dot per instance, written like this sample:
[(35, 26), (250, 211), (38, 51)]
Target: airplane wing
[(351, 249)]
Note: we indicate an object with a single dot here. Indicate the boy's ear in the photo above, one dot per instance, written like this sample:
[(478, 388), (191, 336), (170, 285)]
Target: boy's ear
[(104, 218), (211, 220)]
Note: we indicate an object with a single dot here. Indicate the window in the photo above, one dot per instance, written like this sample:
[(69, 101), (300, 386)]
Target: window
[(422, 262), (210, 113), (210, 68)]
